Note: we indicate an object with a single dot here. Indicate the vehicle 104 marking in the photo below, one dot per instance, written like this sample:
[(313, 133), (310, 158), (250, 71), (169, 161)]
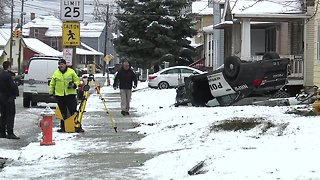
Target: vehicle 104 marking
[(277, 75), (241, 87)]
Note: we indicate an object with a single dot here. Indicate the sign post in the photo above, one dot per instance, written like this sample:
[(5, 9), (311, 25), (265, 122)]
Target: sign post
[(71, 12)]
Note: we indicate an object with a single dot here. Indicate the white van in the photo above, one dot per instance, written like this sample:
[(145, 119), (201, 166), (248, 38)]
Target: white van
[(37, 79)]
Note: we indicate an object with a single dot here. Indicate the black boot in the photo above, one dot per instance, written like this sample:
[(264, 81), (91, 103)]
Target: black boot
[(12, 136), (79, 129), (61, 127), (3, 135)]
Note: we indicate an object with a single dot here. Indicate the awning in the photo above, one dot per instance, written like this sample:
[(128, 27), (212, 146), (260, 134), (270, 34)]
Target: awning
[(272, 17), (228, 24)]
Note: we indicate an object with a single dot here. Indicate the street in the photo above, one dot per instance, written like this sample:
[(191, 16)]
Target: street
[(104, 155)]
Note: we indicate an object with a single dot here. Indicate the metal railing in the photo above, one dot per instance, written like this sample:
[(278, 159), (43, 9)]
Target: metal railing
[(296, 65)]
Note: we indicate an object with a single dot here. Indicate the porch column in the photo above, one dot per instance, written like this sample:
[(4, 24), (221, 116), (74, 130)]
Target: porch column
[(236, 39), (217, 43), (209, 50), (245, 39)]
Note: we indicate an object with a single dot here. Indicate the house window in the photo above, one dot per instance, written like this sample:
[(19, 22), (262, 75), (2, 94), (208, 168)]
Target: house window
[(53, 43), (270, 39), (318, 45), (36, 33)]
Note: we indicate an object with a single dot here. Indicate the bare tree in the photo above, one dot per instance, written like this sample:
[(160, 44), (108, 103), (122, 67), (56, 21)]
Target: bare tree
[(4, 4)]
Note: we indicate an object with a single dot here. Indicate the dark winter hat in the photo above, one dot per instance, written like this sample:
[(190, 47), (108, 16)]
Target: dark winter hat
[(62, 61)]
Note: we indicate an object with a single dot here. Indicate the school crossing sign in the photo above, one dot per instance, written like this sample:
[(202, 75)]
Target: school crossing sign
[(71, 34)]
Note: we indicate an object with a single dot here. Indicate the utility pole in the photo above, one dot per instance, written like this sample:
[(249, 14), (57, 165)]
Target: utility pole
[(20, 40), (11, 60), (105, 64), (118, 35)]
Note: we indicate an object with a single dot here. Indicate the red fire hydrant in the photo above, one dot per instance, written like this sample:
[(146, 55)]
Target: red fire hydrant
[(46, 127)]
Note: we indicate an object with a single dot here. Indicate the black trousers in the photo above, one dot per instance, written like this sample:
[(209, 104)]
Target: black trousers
[(67, 105), (8, 112)]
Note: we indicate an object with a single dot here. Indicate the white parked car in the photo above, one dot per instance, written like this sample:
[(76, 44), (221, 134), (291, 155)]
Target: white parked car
[(171, 77)]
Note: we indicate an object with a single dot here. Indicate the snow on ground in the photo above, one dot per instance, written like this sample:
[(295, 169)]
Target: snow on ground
[(274, 145), (282, 146)]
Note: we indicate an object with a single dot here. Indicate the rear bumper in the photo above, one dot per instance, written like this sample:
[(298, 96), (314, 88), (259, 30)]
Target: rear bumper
[(41, 97), (153, 84), (271, 85)]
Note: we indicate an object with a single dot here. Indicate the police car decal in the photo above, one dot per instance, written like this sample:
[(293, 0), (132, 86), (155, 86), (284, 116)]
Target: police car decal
[(218, 85)]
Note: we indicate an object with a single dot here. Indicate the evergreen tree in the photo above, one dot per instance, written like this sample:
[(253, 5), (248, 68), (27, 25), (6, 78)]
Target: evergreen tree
[(153, 31)]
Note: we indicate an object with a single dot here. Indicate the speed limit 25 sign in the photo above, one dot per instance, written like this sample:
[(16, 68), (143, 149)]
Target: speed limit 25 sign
[(72, 10)]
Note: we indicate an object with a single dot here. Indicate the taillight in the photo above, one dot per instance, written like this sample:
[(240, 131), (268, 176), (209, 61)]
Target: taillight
[(256, 82), (26, 70), (152, 77)]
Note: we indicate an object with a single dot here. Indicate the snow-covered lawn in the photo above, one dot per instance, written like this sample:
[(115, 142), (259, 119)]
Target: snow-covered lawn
[(235, 142)]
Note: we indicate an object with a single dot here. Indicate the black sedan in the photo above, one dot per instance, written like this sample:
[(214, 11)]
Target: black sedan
[(235, 80)]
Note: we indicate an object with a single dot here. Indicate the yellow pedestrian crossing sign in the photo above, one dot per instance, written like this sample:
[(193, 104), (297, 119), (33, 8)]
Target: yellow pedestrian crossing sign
[(71, 33), (108, 58)]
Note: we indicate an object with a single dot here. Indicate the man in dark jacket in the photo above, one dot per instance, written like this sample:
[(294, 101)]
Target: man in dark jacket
[(125, 79), (8, 92)]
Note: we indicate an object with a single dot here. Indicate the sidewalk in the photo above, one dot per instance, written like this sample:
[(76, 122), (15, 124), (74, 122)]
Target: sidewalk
[(98, 153)]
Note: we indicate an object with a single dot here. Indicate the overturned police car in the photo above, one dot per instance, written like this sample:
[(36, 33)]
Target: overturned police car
[(234, 81)]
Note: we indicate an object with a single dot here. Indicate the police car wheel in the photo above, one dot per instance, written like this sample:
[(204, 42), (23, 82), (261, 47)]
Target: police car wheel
[(232, 67)]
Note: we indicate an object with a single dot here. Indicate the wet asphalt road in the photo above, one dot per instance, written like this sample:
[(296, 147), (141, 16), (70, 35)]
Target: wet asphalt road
[(114, 161)]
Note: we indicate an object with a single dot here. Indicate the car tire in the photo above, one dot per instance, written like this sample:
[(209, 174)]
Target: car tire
[(163, 85), (271, 55), (26, 102), (232, 67)]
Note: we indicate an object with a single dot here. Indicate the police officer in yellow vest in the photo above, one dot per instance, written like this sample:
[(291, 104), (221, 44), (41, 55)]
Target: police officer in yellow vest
[(63, 85)]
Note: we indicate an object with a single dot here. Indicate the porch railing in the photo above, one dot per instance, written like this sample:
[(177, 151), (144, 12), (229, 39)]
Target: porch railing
[(295, 65), (199, 64)]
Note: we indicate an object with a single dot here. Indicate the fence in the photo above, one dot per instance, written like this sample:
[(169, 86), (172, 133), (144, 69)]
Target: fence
[(295, 65)]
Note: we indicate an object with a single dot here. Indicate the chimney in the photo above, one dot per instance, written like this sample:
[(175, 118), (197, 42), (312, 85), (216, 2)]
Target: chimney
[(32, 16)]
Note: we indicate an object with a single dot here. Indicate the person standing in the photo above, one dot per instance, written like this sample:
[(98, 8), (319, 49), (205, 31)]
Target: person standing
[(8, 93), (126, 79), (63, 85)]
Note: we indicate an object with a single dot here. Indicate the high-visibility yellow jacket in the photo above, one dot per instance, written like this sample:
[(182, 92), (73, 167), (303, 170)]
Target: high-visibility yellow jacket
[(60, 81)]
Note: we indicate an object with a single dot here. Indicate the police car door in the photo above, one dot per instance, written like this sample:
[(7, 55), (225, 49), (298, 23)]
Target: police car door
[(218, 85)]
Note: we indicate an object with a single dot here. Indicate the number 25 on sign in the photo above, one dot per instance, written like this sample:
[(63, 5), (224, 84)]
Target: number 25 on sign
[(72, 10)]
